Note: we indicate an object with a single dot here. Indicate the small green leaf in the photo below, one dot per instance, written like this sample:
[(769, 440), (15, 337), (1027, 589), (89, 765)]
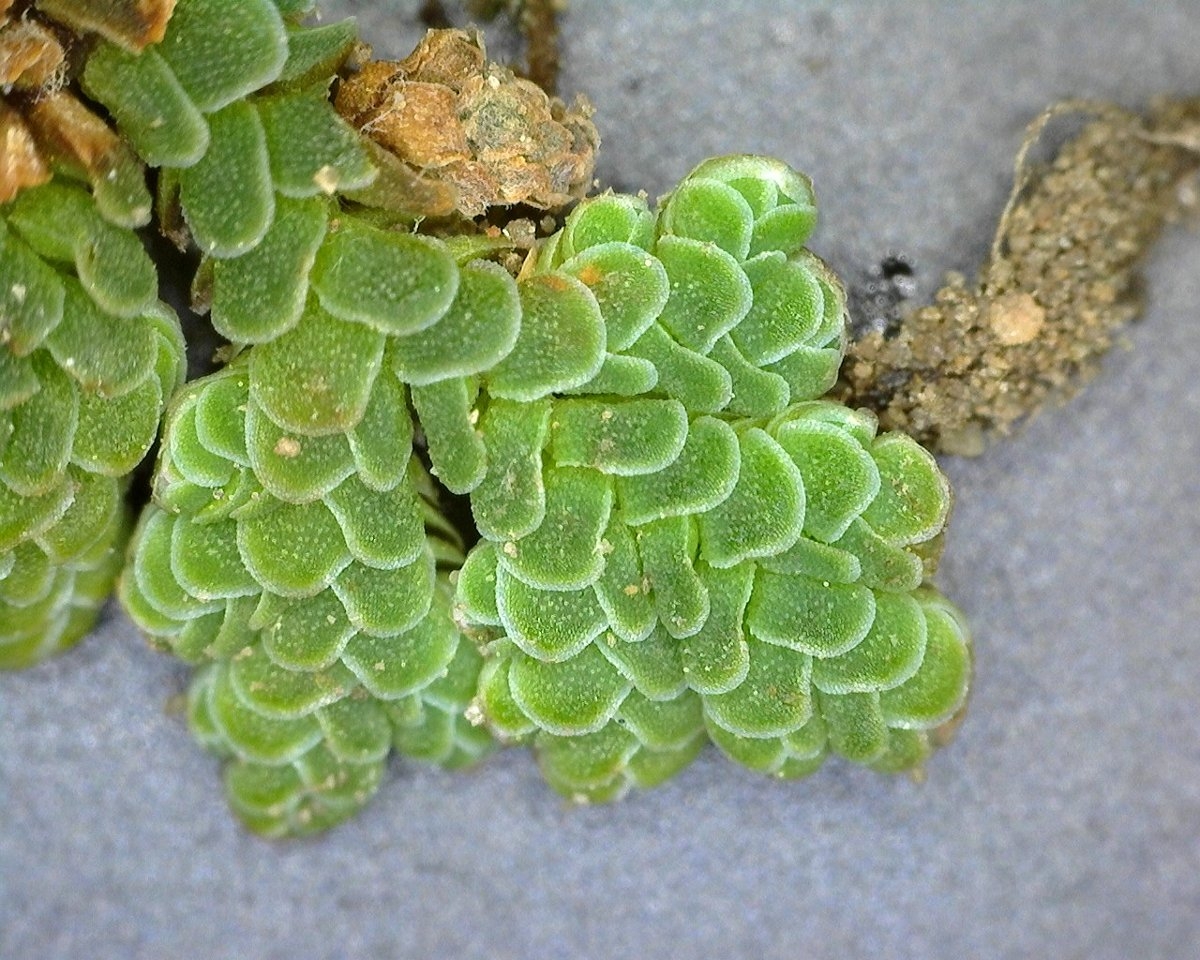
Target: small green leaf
[(315, 53), (316, 379), (564, 552), (630, 286), (622, 590), (552, 625), (710, 294), (818, 617), (783, 229), (624, 438), (573, 764), (227, 196), (396, 283), (476, 586), (31, 303), (702, 476), (254, 736), (701, 384), (152, 569), (294, 468), (260, 295), (787, 309), (382, 529), (206, 563), (757, 393), (356, 730), (43, 429), (313, 150), (477, 332), (814, 560), (652, 665), (561, 344), (608, 218), (937, 690), (889, 654), (716, 658), (457, 455), (621, 376), (270, 689), (295, 549), (667, 549), (914, 496), (27, 581), (197, 637), (773, 700), (115, 269), (222, 50), (672, 724), (97, 501), (386, 602), (511, 500), (711, 212), (764, 514), (187, 454), (760, 754), (840, 478), (106, 354), (884, 567), (381, 441), (221, 415), (394, 666), (855, 723), (303, 633), (579, 695), (149, 104), (504, 715), (18, 383)]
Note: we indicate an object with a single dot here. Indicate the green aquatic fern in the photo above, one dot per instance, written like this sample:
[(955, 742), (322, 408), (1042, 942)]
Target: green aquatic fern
[(679, 559), (673, 539), (88, 356), (309, 574)]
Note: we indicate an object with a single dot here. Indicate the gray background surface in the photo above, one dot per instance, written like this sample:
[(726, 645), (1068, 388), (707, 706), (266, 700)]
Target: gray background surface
[(1064, 822)]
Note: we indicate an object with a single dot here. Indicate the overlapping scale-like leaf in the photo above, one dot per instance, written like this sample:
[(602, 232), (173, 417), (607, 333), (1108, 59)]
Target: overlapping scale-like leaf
[(716, 295), (305, 570), (696, 543), (88, 358), (233, 107)]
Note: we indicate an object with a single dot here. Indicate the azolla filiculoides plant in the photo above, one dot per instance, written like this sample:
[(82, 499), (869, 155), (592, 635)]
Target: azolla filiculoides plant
[(672, 537)]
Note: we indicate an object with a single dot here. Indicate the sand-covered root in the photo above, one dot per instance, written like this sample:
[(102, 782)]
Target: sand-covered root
[(1060, 283)]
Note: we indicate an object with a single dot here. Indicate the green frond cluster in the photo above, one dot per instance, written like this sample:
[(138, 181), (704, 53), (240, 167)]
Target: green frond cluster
[(232, 108), (309, 574), (88, 357), (680, 543)]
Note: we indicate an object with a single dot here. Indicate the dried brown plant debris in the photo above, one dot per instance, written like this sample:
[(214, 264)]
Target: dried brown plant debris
[(452, 117), (43, 125), (130, 23), (1059, 284)]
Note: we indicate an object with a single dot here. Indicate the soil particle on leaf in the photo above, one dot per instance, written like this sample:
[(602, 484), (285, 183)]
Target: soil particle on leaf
[(1060, 283)]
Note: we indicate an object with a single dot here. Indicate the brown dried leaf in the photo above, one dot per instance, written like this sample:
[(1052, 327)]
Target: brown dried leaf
[(132, 24), (30, 56), (451, 116), (21, 164), (70, 134)]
